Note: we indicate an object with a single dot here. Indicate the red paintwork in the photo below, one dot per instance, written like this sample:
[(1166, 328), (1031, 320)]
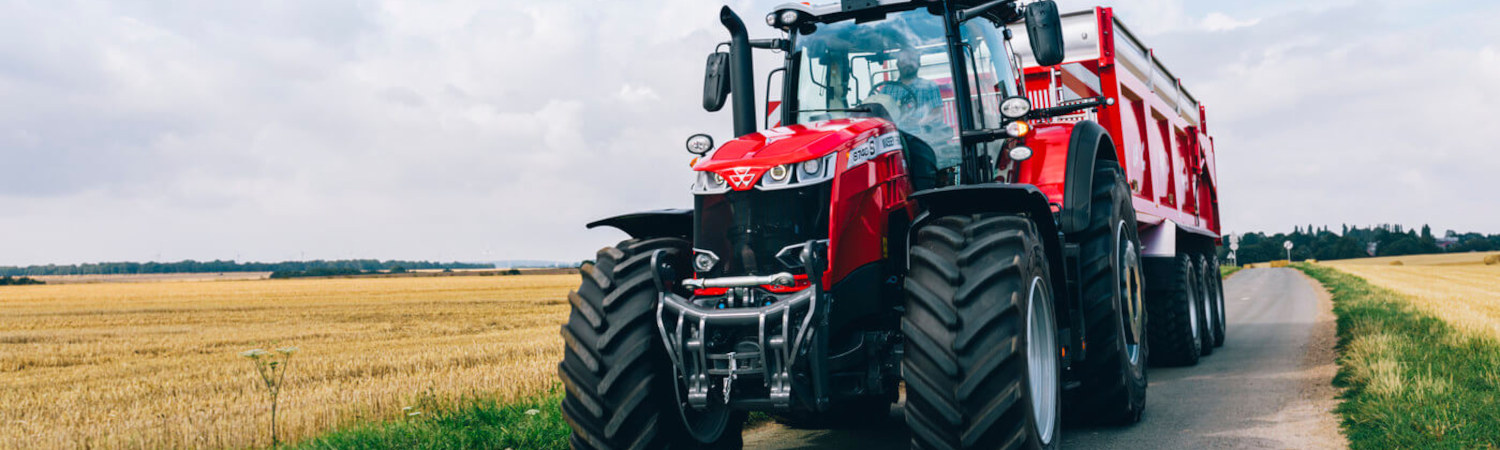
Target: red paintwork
[(1168, 160), (863, 197)]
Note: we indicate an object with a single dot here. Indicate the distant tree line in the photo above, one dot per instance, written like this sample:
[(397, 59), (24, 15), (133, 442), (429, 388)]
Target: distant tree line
[(190, 266), (1354, 242), (22, 281)]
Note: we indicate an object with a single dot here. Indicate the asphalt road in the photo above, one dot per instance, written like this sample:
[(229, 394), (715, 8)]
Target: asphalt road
[(1267, 387)]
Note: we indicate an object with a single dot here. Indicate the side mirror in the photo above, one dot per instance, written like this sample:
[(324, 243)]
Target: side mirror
[(1044, 29), (716, 82)]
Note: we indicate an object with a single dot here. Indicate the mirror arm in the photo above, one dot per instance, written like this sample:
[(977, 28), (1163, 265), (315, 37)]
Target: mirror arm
[(982, 136), (1096, 102), (771, 44), (965, 15)]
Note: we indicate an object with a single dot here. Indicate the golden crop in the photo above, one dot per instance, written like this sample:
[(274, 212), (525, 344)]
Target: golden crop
[(1459, 289), (157, 364)]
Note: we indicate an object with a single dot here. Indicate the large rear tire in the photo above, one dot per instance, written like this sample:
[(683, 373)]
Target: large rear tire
[(1113, 377), (620, 388), (982, 365), (1172, 304)]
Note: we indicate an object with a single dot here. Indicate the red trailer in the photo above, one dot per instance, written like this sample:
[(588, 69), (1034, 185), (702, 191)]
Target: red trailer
[(1160, 130)]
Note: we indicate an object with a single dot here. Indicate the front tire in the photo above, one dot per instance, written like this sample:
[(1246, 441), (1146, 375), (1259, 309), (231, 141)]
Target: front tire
[(982, 365), (1113, 377), (620, 384)]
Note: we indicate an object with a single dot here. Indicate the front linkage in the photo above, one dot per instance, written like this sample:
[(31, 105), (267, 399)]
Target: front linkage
[(746, 332)]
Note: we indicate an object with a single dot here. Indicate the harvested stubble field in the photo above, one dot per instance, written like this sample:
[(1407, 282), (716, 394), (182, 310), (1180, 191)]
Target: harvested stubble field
[(157, 365), (1458, 288)]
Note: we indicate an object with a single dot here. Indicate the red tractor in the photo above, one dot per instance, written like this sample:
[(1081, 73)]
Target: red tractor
[(1004, 232)]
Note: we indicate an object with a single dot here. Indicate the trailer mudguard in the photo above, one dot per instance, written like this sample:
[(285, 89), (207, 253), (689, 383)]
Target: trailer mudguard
[(997, 198), (1090, 143), (676, 223)]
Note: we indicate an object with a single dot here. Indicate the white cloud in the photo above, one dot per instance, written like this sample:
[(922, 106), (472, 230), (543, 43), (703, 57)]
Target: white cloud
[(453, 130)]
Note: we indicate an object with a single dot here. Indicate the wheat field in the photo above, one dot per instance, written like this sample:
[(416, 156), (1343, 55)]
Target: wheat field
[(157, 365), (1458, 288)]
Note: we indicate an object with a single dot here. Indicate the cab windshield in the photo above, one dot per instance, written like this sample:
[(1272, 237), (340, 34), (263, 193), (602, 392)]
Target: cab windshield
[(901, 63)]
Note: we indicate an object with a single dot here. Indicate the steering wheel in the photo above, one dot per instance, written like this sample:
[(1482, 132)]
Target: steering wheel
[(905, 97)]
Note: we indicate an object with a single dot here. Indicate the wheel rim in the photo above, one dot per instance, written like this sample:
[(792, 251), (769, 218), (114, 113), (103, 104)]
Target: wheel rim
[(1131, 293), (1041, 360)]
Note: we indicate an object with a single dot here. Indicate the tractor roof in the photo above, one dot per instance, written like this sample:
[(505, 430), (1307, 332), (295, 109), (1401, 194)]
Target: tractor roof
[(846, 9)]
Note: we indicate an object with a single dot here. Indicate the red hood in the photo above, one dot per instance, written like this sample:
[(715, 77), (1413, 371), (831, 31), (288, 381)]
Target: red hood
[(753, 154)]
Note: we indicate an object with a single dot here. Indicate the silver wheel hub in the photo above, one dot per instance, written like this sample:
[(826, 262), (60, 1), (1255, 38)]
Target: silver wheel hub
[(1041, 360), (1132, 293)]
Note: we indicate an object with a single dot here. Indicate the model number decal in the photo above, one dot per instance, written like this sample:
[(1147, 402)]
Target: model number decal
[(873, 147)]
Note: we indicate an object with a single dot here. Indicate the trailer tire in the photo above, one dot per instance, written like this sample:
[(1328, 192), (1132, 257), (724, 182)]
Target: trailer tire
[(1217, 289), (619, 383), (1113, 376), (1205, 306), (982, 364), (1172, 304)]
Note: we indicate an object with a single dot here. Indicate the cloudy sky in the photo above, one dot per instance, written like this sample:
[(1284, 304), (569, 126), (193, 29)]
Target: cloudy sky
[(483, 130)]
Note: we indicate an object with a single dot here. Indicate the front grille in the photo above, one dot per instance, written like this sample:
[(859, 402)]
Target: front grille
[(746, 229)]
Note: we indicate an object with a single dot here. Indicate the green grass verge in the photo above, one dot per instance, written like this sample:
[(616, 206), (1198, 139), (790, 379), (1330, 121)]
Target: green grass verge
[(1410, 380), (472, 424), (1226, 271)]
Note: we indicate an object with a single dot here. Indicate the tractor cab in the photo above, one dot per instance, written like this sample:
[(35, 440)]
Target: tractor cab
[(894, 60)]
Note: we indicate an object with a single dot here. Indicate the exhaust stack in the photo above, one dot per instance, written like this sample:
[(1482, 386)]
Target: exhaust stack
[(741, 73)]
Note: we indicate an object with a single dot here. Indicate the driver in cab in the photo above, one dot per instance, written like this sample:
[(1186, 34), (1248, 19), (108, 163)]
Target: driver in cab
[(928, 97)]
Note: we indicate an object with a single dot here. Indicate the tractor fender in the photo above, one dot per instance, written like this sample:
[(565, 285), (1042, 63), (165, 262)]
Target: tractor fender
[(676, 223), (997, 198), (1089, 143)]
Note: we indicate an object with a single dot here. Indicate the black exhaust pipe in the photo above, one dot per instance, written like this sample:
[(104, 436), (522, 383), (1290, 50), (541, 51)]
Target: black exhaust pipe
[(741, 73)]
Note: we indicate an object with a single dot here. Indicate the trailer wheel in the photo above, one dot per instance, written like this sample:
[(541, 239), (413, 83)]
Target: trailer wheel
[(620, 388), (1113, 375), (1172, 303), (1207, 314), (1217, 289), (982, 364)]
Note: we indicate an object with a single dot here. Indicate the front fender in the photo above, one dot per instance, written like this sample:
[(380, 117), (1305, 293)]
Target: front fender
[(996, 198), (676, 223)]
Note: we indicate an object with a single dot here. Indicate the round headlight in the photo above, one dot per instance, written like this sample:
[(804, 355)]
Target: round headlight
[(703, 262), (780, 173), (812, 167), (788, 17), (699, 144), (718, 180), (771, 19), (1021, 153), (1018, 128), (1015, 107)]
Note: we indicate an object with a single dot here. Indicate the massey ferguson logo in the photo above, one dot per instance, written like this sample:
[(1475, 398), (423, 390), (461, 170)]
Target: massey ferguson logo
[(741, 177)]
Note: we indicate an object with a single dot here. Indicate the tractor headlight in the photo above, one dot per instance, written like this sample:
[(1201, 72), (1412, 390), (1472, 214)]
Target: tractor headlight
[(812, 167), (781, 172), (704, 260), (700, 144), (1020, 153), (808, 172), (788, 17), (1015, 107), (709, 183)]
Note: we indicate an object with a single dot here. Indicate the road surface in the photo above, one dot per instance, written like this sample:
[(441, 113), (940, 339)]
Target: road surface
[(1269, 386)]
